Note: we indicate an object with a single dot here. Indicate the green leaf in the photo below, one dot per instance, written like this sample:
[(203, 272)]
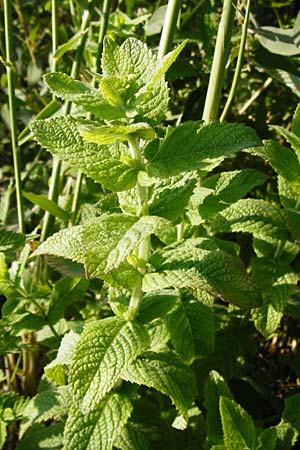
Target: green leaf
[(280, 41), (157, 305), (296, 122), (3, 432), (282, 159), (190, 146), (257, 217), (71, 44), (105, 347), (155, 23), (101, 163), (215, 387), (191, 327), (134, 236), (100, 428), (164, 65), (238, 427), (288, 192), (100, 238), (230, 187), (47, 205), (41, 437), (57, 369), (267, 439), (112, 89), (131, 438), (47, 405), (64, 87), (66, 243), (106, 134), (291, 138), (165, 373), (66, 291), (9, 240), (171, 196), (216, 272), (289, 427), (289, 79)]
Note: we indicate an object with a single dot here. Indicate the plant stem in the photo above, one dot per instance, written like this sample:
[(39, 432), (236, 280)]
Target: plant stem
[(238, 68), (213, 95), (54, 23), (12, 112), (168, 31), (143, 251), (102, 32)]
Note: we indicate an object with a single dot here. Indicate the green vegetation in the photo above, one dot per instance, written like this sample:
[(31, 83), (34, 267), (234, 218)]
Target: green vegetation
[(149, 236)]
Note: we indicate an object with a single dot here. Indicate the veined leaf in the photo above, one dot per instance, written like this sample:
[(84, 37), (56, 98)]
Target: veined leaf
[(238, 427), (258, 217), (131, 438), (280, 41), (290, 137), (101, 163), (47, 205), (230, 187), (219, 273), (106, 134), (165, 373), (282, 159), (104, 349), (190, 146), (100, 238), (56, 370), (47, 405), (215, 387), (40, 437), (296, 121), (289, 79), (112, 88), (171, 196), (91, 99), (65, 243), (140, 230), (100, 428), (9, 240)]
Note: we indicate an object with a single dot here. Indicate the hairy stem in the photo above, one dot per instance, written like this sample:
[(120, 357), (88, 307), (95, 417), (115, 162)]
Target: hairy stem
[(168, 31), (143, 251), (215, 84), (12, 112), (238, 68)]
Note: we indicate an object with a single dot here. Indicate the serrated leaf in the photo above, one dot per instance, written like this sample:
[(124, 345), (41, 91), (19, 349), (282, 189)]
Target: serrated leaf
[(289, 427), (295, 128), (257, 217), (56, 370), (191, 327), (214, 271), (100, 428), (157, 305), (171, 196), (101, 163), (267, 439), (66, 88), (47, 205), (106, 134), (100, 237), (215, 387), (47, 405), (238, 427), (134, 236), (112, 88), (282, 159), (190, 146), (9, 240), (290, 137), (165, 373), (40, 437), (65, 243), (230, 187), (67, 290), (105, 347), (131, 438)]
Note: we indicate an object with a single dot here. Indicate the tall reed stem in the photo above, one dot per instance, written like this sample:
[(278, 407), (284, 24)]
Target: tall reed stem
[(12, 111), (169, 26), (238, 68), (212, 101)]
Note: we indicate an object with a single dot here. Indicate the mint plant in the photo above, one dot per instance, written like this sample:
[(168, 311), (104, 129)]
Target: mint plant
[(160, 279)]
